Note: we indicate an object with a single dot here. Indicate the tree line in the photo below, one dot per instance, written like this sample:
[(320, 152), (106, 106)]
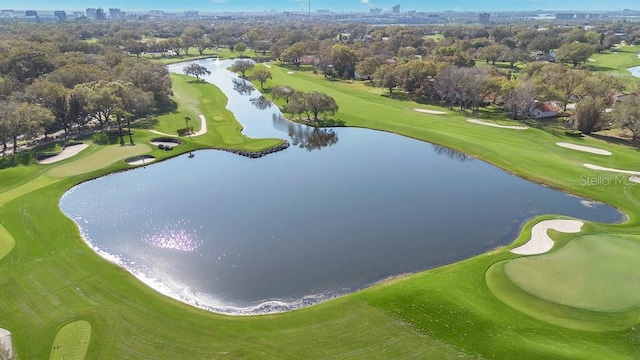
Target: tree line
[(50, 85)]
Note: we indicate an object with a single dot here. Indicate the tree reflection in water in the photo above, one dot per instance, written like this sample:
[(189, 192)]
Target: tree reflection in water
[(242, 86), (261, 102), (451, 154), (306, 137)]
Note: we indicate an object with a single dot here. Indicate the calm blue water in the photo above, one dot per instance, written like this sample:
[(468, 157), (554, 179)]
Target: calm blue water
[(340, 210), (635, 71)]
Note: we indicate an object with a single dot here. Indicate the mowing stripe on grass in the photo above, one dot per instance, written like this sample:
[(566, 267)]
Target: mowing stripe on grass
[(98, 160), (72, 341), (7, 242)]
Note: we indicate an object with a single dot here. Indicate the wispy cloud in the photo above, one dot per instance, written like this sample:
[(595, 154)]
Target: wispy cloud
[(364, 1)]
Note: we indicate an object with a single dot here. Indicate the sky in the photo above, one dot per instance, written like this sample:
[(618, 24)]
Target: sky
[(334, 5)]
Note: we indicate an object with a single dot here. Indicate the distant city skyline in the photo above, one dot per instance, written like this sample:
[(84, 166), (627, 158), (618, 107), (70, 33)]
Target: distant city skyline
[(334, 5)]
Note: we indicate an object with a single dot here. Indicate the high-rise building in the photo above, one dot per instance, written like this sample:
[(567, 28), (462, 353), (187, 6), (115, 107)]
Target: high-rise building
[(91, 13), (395, 9), (60, 15), (484, 18), (100, 14), (115, 14), (375, 11)]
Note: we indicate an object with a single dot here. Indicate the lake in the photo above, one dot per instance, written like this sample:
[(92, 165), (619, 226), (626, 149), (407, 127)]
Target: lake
[(339, 210)]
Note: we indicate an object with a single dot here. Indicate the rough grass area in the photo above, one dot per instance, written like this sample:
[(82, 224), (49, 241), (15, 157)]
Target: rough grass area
[(72, 341), (591, 272)]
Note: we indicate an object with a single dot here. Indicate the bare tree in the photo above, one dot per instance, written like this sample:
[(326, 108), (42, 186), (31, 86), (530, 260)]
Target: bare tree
[(242, 66), (519, 99)]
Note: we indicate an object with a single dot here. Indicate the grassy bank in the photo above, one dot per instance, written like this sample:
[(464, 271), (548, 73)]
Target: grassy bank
[(51, 278)]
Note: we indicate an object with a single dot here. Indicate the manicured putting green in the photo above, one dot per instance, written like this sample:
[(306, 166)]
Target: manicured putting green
[(72, 341), (6, 242), (595, 272)]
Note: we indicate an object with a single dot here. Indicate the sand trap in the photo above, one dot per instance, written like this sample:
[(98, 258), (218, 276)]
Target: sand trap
[(634, 179), (540, 242), (596, 167), (427, 111), (67, 152), (588, 149), (480, 122), (140, 160), (5, 342), (266, 65), (165, 143), (290, 72), (203, 126)]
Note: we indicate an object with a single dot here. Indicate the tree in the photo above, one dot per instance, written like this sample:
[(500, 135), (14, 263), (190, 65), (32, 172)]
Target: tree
[(318, 103), (414, 74), (519, 97), (201, 44), (174, 44), (386, 77), (242, 66), (135, 47), (24, 119), (447, 81), (367, 67), (343, 60), (240, 47), (196, 70), (262, 75), (561, 82), (53, 96), (293, 54), (626, 115), (574, 53), (492, 53), (283, 92), (587, 115), (296, 104)]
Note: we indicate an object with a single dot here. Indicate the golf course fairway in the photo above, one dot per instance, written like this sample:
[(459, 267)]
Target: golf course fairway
[(470, 309)]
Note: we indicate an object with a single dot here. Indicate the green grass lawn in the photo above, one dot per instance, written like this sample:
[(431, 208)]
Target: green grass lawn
[(596, 272), (615, 62), (51, 278), (72, 341)]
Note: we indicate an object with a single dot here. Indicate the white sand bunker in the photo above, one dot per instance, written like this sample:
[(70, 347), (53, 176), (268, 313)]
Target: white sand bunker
[(597, 167), (540, 242), (433, 112), (290, 72), (635, 179), (140, 160), (67, 152), (588, 149), (5, 342), (480, 122)]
